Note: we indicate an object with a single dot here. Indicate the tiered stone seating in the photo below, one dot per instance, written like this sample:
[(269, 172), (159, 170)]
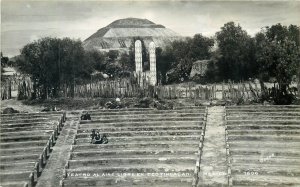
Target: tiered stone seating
[(146, 147), (25, 142), (263, 145)]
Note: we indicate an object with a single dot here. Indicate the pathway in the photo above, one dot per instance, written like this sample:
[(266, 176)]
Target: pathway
[(213, 168), (53, 172)]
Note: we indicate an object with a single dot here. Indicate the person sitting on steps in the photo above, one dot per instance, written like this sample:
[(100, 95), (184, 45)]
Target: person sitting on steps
[(86, 116), (96, 138), (93, 135)]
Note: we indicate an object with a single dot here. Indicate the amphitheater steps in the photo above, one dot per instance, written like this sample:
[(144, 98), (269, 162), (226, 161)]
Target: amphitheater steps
[(140, 181), (12, 145), (269, 144), (159, 119), (263, 146), (15, 184), (170, 145), (53, 171), (141, 128), (130, 162), (153, 111), (139, 141), (265, 180), (88, 125)]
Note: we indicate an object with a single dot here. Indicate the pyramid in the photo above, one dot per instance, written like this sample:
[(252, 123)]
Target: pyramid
[(119, 35)]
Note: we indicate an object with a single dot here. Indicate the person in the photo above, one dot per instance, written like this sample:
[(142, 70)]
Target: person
[(86, 116), (97, 136), (104, 139), (93, 135)]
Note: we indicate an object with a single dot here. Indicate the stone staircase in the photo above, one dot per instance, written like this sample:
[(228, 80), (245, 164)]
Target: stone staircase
[(26, 140), (146, 147), (263, 145)]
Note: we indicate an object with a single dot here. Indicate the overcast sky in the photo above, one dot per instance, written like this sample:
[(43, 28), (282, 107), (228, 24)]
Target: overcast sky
[(26, 21)]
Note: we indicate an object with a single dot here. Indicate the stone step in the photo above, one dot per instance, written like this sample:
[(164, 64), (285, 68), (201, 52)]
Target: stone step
[(265, 117), (17, 166), (262, 127), (15, 184), (20, 158), (113, 113), (243, 110), (263, 106), (267, 158), (188, 171), (22, 118), (146, 116), (171, 145), (30, 120), (263, 113), (15, 176), (34, 124), (12, 145), (143, 124), (29, 128), (119, 110), (287, 138), (259, 144), (189, 107), (33, 113), (142, 142), (22, 150), (264, 132), (113, 162), (26, 133), (132, 153), (27, 115), (143, 181), (24, 138), (143, 133), (263, 180), (262, 122), (162, 118), (141, 139), (265, 169), (255, 151), (141, 128)]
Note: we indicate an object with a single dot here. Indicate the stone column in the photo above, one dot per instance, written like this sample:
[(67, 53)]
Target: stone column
[(152, 55), (138, 56)]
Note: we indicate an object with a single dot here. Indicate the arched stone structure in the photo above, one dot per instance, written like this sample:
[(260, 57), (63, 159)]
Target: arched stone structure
[(138, 56), (149, 76), (152, 55)]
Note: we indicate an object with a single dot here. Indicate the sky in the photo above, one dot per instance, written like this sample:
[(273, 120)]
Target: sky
[(23, 22)]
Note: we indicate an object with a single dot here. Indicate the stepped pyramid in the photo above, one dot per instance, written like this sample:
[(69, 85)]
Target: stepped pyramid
[(119, 35)]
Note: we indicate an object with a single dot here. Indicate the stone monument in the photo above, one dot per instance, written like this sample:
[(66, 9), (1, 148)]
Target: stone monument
[(149, 76)]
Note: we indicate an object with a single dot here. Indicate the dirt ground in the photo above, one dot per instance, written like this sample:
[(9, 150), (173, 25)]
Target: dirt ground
[(70, 104), (20, 106)]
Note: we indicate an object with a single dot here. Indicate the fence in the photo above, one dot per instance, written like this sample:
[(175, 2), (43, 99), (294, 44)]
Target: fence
[(129, 88), (134, 87), (15, 86)]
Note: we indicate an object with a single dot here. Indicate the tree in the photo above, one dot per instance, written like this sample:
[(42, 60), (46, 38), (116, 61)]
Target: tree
[(237, 61), (112, 55), (279, 56), (52, 62), (200, 47), (4, 60), (180, 54), (96, 59), (126, 62)]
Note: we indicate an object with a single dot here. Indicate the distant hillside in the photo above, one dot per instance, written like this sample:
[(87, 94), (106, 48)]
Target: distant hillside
[(120, 34)]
